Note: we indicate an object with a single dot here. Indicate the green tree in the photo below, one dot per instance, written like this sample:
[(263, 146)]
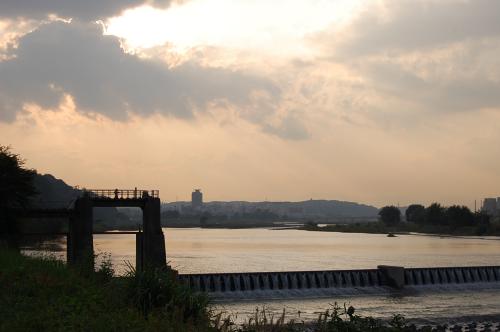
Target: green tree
[(16, 190), (459, 216), (415, 213), (435, 214), (390, 215)]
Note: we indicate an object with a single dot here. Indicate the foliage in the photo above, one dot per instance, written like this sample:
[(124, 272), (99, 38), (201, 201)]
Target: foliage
[(415, 213), (336, 319), (57, 298), (158, 288), (459, 216), (16, 190), (435, 214), (16, 181), (390, 215)]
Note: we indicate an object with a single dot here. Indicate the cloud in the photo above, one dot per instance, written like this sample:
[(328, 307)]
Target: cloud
[(438, 55), (290, 127), (87, 10), (408, 25), (76, 59)]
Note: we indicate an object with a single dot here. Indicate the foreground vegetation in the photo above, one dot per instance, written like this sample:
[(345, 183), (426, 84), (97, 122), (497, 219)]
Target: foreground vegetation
[(44, 295)]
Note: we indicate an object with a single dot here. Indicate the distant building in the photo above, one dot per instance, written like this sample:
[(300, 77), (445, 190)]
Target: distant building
[(490, 206), (196, 199)]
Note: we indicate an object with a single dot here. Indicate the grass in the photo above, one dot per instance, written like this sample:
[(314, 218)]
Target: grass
[(336, 319), (45, 295)]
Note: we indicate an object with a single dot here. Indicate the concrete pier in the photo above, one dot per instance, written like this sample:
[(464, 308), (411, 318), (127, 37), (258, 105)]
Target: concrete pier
[(80, 244), (392, 276)]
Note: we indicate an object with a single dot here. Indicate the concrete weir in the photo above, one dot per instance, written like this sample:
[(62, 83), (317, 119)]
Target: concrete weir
[(390, 277)]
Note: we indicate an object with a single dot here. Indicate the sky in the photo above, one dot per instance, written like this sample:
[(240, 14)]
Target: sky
[(374, 101)]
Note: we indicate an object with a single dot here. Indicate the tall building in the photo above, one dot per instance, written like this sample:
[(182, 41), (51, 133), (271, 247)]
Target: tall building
[(490, 206), (196, 199)]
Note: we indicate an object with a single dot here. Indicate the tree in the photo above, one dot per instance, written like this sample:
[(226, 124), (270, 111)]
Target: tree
[(415, 213), (435, 214), (482, 218), (390, 215), (16, 181), (16, 189), (459, 216)]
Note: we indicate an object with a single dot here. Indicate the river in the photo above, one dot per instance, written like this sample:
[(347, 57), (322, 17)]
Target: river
[(195, 250)]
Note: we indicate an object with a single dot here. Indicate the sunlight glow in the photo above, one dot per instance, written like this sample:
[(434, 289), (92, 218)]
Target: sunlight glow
[(276, 26)]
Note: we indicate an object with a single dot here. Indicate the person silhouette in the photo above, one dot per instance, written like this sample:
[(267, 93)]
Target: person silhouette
[(116, 193)]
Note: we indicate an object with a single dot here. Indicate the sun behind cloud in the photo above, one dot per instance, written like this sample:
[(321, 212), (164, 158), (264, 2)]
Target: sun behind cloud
[(276, 27)]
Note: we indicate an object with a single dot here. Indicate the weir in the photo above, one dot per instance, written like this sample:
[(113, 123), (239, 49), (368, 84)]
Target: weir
[(226, 283)]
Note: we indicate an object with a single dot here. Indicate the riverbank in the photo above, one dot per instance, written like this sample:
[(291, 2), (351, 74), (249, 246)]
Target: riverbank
[(45, 295), (406, 228)]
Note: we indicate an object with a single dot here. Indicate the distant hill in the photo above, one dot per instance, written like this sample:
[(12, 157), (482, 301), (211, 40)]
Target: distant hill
[(54, 193), (317, 209)]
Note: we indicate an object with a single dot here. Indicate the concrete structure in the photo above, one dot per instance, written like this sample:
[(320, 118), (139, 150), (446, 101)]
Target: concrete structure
[(490, 206), (196, 199), (388, 277), (150, 247), (393, 276)]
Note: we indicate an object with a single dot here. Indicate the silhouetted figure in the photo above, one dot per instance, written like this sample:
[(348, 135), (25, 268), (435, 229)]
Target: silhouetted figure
[(116, 193), (145, 194)]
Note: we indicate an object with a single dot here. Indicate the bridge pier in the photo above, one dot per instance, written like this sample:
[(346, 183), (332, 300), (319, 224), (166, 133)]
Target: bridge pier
[(152, 248), (80, 243)]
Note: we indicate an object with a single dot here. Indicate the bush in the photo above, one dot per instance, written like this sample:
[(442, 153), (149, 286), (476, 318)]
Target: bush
[(45, 295), (390, 215)]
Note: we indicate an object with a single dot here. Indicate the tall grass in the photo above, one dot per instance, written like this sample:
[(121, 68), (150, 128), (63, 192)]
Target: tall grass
[(43, 294)]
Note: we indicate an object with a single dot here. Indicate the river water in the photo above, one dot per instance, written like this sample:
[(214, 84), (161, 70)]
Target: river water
[(194, 250)]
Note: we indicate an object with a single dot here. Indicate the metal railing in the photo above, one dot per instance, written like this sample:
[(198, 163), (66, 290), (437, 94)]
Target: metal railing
[(121, 193)]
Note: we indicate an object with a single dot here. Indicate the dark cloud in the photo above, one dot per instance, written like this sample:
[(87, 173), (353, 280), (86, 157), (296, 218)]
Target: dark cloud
[(442, 94), (406, 25), (87, 10), (77, 59), (441, 55)]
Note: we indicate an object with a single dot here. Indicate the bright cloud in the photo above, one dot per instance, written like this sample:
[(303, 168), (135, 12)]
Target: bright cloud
[(276, 27)]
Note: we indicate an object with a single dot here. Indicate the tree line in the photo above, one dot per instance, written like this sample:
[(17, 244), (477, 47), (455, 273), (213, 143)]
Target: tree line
[(436, 215)]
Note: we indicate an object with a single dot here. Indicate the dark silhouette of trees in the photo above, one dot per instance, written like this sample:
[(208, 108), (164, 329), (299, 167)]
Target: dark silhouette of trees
[(16, 181), (435, 214), (16, 191), (390, 215), (482, 218), (415, 213), (459, 216)]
